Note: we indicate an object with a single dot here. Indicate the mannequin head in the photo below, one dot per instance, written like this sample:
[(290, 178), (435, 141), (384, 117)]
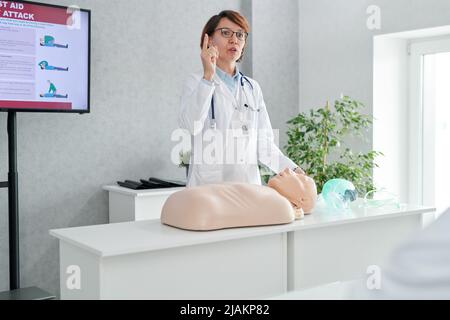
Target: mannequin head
[(299, 189)]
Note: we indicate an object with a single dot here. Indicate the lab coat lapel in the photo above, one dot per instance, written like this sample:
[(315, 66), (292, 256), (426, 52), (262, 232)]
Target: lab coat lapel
[(226, 91)]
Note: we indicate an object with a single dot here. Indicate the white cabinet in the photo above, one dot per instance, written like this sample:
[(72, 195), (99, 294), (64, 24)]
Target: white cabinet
[(133, 205)]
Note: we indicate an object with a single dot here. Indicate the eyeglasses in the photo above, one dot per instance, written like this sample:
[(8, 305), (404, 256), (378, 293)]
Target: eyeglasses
[(228, 33)]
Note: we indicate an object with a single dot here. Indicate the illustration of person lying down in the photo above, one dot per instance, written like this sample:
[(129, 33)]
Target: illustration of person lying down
[(49, 41), (45, 66)]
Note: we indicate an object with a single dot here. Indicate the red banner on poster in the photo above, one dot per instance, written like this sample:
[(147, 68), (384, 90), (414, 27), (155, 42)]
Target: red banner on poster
[(32, 12)]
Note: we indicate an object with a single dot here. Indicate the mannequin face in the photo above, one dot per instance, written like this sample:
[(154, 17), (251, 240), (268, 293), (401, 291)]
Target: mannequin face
[(299, 189)]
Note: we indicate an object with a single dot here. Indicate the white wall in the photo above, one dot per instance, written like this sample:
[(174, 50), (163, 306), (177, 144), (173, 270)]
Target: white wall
[(390, 129), (276, 59)]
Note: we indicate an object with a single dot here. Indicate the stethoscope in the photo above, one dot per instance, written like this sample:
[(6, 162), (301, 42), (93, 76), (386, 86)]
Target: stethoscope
[(243, 78)]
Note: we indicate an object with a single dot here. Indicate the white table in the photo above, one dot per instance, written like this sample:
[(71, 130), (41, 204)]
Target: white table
[(132, 205), (148, 260)]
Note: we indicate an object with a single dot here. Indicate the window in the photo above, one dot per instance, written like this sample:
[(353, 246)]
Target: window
[(429, 102)]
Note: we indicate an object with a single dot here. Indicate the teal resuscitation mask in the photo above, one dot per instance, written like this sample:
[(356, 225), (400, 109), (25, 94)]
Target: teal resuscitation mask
[(338, 193)]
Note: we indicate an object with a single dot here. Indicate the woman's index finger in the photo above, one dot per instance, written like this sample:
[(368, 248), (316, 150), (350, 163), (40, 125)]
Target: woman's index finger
[(205, 42)]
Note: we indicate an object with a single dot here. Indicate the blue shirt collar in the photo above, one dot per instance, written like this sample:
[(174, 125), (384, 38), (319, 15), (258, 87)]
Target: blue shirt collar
[(222, 73), (230, 81)]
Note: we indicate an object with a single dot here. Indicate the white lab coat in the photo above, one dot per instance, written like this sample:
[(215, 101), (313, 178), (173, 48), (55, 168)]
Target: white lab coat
[(259, 144)]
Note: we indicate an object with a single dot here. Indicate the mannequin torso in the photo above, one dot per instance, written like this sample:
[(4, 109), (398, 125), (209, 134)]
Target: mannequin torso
[(229, 205)]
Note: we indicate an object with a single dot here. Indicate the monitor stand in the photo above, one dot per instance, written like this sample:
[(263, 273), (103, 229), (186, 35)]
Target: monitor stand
[(31, 293), (13, 219)]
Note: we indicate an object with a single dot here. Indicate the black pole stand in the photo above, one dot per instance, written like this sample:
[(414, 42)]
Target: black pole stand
[(16, 293)]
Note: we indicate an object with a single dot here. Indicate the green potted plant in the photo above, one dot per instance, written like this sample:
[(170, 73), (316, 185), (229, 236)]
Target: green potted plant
[(184, 158), (265, 172), (316, 143)]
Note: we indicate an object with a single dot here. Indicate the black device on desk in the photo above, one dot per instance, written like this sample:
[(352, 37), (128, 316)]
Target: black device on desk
[(131, 185), (151, 183), (168, 183)]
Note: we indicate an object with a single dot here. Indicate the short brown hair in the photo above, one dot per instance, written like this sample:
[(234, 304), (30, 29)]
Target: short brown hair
[(233, 16)]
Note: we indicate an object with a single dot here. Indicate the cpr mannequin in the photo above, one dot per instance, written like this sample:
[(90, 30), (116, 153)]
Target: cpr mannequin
[(218, 206)]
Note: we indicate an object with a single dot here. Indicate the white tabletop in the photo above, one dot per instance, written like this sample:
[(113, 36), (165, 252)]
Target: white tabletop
[(143, 192), (150, 235)]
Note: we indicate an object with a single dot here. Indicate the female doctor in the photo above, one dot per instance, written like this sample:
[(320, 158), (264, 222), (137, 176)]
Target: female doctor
[(225, 113)]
